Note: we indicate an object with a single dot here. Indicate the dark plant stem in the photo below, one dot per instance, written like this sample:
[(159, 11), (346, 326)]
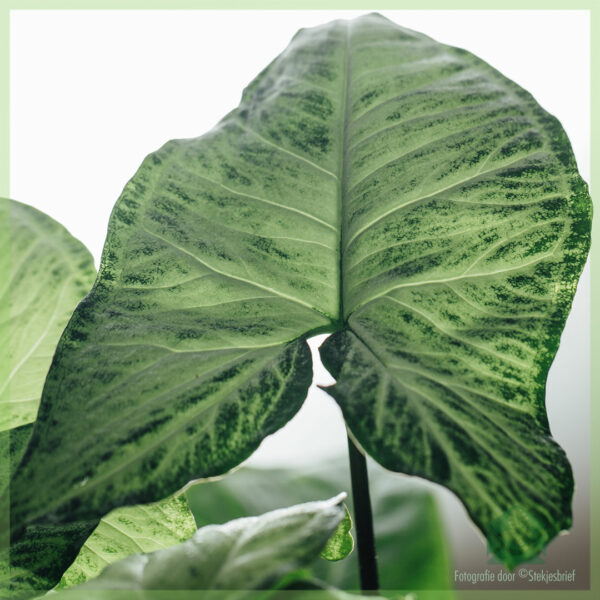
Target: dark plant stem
[(363, 519)]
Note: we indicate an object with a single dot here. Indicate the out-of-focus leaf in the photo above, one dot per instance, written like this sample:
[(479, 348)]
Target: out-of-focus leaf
[(411, 546), (243, 554), (50, 272), (314, 593), (341, 543), (317, 590)]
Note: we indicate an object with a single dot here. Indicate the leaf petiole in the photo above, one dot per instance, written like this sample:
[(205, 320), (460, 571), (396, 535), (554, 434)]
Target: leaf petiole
[(363, 519)]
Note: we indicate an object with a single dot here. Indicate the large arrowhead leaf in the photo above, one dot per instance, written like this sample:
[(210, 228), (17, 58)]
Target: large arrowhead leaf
[(372, 182), (50, 272)]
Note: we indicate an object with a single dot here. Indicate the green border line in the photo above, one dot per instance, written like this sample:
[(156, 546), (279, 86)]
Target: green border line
[(8, 5), (292, 5)]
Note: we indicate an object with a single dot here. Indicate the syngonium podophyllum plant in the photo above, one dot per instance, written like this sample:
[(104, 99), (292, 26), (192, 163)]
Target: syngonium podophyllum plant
[(395, 192)]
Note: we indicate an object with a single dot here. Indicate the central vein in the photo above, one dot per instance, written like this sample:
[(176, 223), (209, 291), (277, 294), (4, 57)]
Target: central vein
[(341, 166)]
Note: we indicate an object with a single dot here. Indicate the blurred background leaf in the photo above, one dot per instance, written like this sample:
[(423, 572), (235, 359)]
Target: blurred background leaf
[(411, 547), (50, 272), (238, 556)]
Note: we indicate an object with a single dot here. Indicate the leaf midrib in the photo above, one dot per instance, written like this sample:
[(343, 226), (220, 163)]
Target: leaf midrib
[(342, 171)]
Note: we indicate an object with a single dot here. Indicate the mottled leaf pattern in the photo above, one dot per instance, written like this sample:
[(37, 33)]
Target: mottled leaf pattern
[(131, 530), (50, 272), (371, 182), (12, 447), (341, 543), (465, 226), (43, 554)]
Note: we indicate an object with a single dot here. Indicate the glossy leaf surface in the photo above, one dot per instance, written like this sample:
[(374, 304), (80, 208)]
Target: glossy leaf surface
[(374, 183)]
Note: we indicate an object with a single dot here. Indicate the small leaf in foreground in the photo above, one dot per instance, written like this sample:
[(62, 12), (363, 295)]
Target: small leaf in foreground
[(341, 543)]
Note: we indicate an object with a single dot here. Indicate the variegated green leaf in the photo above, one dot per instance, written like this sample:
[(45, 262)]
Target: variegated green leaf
[(373, 183), (341, 543), (131, 530)]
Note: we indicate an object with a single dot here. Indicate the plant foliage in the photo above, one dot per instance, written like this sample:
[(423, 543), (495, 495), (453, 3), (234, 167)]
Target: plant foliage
[(372, 183)]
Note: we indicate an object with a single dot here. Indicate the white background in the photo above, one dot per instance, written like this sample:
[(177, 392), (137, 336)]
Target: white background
[(92, 92)]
